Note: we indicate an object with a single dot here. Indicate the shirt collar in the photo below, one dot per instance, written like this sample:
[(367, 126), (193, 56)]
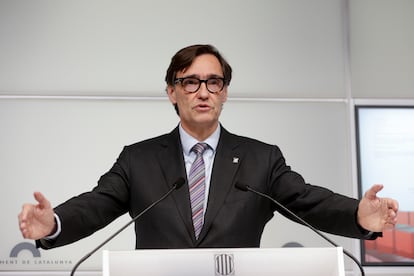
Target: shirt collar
[(187, 141)]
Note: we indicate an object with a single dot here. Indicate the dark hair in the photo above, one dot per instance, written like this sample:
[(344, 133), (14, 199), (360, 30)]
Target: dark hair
[(185, 57)]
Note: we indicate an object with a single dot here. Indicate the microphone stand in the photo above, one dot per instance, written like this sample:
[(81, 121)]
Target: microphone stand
[(247, 188), (176, 186)]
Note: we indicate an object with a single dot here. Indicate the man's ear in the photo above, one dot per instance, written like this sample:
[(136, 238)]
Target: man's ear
[(224, 94), (171, 94)]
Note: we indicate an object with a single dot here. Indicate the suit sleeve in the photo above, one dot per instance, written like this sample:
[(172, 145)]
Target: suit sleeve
[(88, 212), (322, 208)]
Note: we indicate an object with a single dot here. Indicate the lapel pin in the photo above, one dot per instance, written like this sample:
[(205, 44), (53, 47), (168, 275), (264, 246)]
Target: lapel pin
[(235, 160)]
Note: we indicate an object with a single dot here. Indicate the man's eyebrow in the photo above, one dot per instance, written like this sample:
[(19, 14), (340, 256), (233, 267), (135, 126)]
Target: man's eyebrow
[(215, 76), (198, 76), (191, 76)]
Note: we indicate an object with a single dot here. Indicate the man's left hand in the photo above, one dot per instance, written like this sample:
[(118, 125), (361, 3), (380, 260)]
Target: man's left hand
[(377, 214)]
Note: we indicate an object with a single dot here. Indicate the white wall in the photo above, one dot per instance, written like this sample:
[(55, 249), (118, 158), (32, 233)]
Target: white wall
[(382, 43), (124, 47), (80, 79)]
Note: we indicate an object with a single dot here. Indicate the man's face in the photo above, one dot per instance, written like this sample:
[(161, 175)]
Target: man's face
[(201, 109)]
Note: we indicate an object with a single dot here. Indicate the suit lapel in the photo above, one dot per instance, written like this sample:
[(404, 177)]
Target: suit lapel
[(172, 165), (225, 166)]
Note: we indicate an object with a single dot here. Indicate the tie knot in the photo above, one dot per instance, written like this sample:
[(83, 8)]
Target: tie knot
[(199, 148)]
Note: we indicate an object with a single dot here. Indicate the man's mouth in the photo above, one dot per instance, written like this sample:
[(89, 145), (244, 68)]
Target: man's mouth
[(202, 107)]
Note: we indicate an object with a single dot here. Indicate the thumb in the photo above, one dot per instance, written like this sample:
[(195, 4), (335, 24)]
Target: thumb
[(372, 192), (41, 199)]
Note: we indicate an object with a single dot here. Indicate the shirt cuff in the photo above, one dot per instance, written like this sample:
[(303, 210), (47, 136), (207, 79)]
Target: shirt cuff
[(368, 235), (58, 229)]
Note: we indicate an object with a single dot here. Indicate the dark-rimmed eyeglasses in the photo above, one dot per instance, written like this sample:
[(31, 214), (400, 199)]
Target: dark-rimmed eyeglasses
[(192, 84)]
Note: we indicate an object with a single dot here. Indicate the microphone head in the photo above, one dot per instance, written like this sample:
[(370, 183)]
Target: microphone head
[(179, 182), (242, 186)]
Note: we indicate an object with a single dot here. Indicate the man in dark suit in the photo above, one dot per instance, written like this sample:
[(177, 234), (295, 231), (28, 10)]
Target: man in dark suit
[(209, 211)]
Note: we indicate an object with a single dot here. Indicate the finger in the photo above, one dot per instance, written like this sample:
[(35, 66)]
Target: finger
[(372, 192), (392, 216), (43, 202), (392, 204), (25, 233), (24, 229), (26, 210)]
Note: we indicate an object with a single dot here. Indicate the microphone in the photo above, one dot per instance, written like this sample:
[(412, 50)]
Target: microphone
[(177, 185), (246, 188)]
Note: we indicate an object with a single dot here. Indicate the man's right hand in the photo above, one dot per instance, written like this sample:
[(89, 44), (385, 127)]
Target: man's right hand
[(37, 221)]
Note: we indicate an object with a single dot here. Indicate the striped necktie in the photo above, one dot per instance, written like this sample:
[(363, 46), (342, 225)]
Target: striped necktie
[(196, 182)]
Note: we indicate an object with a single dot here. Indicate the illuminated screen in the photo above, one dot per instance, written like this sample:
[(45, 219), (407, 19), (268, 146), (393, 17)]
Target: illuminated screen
[(385, 153)]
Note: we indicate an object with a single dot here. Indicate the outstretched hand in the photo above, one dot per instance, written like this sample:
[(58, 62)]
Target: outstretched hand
[(377, 214), (37, 220)]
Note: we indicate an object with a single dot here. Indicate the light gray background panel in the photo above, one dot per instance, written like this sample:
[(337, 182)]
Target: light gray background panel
[(291, 48)]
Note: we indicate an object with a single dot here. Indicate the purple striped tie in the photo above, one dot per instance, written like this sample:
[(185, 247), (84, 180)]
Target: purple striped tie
[(196, 182)]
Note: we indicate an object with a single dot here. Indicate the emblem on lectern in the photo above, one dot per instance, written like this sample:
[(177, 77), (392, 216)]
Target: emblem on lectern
[(224, 264)]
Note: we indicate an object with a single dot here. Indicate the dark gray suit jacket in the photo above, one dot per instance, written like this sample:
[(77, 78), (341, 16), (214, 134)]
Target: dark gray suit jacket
[(146, 170)]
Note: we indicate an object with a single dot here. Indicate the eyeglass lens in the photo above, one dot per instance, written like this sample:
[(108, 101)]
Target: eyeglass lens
[(192, 85)]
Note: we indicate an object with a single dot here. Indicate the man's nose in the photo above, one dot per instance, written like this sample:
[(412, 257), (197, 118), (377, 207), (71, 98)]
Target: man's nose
[(203, 91)]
